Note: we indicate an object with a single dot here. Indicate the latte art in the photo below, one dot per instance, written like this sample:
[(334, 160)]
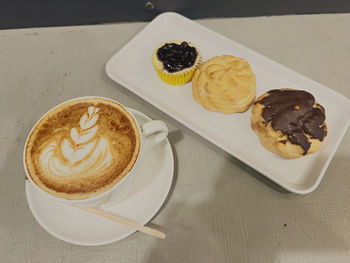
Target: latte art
[(82, 148), (85, 152)]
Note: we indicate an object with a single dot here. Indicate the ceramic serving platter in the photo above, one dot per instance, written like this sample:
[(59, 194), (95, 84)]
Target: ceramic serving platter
[(132, 68)]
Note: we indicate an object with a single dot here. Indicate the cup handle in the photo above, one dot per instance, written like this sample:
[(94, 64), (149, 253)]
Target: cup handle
[(153, 132)]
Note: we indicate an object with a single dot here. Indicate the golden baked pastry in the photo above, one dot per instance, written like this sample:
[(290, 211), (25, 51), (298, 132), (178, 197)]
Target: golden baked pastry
[(289, 122), (224, 84)]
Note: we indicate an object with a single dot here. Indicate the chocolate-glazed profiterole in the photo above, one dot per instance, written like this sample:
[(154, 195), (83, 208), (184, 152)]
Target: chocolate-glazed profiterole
[(289, 122)]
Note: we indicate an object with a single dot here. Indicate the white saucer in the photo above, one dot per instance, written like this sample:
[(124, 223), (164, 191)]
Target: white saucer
[(154, 174)]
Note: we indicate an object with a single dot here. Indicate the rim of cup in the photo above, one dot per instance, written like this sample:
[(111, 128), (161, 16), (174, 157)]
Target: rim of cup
[(93, 198)]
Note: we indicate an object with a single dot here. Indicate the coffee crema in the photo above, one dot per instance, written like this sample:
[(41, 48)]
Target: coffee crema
[(82, 148)]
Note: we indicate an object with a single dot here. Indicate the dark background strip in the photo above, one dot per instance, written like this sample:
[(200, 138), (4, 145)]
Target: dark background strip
[(35, 13)]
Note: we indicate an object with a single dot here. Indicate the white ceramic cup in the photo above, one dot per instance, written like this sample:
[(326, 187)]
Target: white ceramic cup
[(152, 133)]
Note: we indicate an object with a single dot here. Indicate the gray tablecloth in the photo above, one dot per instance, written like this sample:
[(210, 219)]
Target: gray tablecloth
[(219, 209)]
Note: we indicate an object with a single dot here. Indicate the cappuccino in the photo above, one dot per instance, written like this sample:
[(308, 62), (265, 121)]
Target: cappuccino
[(82, 148)]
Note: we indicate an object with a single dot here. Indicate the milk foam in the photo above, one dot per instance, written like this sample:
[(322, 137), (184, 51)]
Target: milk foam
[(85, 152)]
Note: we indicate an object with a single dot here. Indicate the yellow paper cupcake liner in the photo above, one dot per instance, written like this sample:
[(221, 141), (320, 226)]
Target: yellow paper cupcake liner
[(175, 78)]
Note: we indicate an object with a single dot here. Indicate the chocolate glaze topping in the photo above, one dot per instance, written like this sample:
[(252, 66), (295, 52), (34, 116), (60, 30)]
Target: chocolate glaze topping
[(292, 112), (177, 57)]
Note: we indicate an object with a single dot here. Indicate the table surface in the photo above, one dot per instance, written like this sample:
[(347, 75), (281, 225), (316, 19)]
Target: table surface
[(218, 209)]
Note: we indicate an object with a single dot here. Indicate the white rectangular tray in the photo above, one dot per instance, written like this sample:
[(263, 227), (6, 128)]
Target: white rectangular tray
[(132, 68)]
